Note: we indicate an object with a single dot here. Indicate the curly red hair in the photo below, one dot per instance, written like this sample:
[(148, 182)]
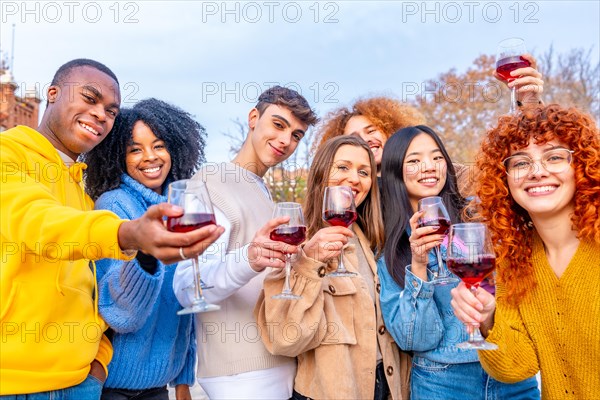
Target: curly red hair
[(387, 114), (509, 224)]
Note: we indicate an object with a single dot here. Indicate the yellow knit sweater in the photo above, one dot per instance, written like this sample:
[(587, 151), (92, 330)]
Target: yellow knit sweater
[(555, 330)]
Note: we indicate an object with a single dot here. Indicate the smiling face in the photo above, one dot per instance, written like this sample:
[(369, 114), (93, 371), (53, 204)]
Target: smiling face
[(274, 136), (363, 127), (424, 169), (81, 111), (352, 167), (541, 192), (147, 158)]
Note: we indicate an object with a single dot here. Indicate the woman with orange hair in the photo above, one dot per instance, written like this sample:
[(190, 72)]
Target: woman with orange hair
[(540, 194)]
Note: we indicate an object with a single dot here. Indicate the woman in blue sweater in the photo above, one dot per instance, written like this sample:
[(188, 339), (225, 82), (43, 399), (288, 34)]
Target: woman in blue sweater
[(417, 313), (151, 145)]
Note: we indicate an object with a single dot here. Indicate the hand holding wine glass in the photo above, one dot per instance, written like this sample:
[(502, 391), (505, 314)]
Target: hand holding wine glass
[(471, 257), (474, 309), (434, 213), (149, 234), (327, 243), (339, 210), (509, 58), (292, 233), (193, 197), (527, 81)]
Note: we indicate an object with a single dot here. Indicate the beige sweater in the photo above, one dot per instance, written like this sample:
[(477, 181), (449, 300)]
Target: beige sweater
[(555, 330), (229, 339)]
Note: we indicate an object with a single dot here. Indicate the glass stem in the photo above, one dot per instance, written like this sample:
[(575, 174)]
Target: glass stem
[(513, 100), (475, 335), (198, 297), (288, 268), (341, 267), (440, 271)]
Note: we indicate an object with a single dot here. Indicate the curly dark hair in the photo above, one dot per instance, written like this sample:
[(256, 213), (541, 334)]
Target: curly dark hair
[(185, 140), (508, 222)]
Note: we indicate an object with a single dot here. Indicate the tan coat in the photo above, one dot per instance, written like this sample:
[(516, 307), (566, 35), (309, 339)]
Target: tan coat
[(333, 330)]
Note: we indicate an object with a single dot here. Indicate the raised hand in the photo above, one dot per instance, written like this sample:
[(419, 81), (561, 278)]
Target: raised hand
[(472, 309), (422, 240), (149, 234), (529, 84), (327, 243), (264, 252)]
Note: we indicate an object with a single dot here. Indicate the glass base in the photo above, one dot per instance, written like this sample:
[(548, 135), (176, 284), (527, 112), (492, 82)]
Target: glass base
[(199, 308), (286, 296), (444, 280), (477, 345), (342, 274)]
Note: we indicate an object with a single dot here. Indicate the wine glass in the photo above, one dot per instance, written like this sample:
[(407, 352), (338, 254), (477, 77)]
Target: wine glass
[(510, 57), (435, 214), (339, 210), (192, 196), (294, 233), (471, 257)]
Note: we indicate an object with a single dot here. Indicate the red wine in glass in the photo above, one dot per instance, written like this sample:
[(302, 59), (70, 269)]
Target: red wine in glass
[(339, 210), (509, 57), (343, 218), (506, 65), (293, 235), (472, 273), (471, 257), (434, 213), (193, 197), (189, 222), (443, 224)]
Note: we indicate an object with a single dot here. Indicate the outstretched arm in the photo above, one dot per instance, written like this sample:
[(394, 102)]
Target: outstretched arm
[(227, 271)]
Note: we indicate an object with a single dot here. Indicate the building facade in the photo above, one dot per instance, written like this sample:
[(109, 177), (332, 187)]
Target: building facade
[(16, 110)]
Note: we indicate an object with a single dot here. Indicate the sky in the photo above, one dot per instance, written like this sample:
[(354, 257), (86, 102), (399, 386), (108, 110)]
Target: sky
[(213, 58)]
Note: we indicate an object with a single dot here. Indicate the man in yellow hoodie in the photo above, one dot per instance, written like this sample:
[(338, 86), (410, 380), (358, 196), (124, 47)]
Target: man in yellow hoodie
[(51, 337)]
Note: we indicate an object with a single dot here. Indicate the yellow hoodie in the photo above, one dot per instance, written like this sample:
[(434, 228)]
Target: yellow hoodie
[(50, 331)]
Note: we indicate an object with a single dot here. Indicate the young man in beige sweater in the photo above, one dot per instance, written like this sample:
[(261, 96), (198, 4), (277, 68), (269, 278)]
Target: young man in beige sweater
[(232, 360)]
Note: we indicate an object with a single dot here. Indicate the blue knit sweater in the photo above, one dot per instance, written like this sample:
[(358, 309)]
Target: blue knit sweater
[(153, 346)]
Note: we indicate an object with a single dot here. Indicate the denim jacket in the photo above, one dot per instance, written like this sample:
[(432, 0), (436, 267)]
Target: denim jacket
[(420, 317)]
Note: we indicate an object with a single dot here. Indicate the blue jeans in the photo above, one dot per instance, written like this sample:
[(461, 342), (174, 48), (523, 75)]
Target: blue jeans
[(436, 381), (90, 389)]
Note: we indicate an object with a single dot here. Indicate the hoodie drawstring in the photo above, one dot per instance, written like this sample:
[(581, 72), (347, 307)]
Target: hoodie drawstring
[(95, 292), (57, 281)]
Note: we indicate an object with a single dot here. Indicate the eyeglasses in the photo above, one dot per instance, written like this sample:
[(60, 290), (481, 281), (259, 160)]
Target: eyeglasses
[(554, 161)]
